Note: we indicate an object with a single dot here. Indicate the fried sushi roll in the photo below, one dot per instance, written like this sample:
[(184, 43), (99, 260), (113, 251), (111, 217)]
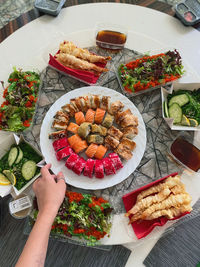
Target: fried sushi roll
[(62, 116), (108, 120), (95, 138), (128, 143), (105, 103), (59, 125), (95, 101), (111, 142), (69, 109), (123, 152), (130, 132), (115, 107), (58, 134), (116, 133), (99, 129), (120, 115), (129, 120), (84, 129)]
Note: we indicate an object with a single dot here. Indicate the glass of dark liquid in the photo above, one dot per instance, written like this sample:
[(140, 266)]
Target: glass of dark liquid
[(185, 153), (110, 36)]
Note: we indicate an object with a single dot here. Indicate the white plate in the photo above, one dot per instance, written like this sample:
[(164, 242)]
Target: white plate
[(82, 181)]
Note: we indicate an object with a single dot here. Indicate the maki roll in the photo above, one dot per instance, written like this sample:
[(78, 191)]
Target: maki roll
[(99, 170), (130, 132), (60, 143), (74, 139), (95, 101), (79, 166), (73, 127), (58, 134), (116, 107), (99, 115), (101, 151), (91, 150), (99, 129), (71, 161), (80, 146), (89, 116), (59, 125), (79, 117), (109, 167), (116, 161), (108, 120), (111, 142), (63, 153), (84, 129), (89, 167), (105, 103), (95, 138), (116, 133)]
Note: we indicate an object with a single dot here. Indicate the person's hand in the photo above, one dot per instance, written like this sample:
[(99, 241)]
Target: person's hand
[(49, 193)]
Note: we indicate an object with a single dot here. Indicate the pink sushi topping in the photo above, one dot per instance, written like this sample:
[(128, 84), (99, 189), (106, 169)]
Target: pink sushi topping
[(99, 171), (79, 165), (109, 167), (60, 143), (71, 161), (116, 161), (89, 167), (63, 153)]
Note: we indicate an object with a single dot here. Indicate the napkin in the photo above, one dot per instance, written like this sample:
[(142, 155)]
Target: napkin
[(144, 228), (82, 75), (179, 248)]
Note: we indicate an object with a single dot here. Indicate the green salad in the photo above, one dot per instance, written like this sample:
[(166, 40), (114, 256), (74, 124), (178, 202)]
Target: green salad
[(16, 112), (184, 107), (18, 165), (82, 215)]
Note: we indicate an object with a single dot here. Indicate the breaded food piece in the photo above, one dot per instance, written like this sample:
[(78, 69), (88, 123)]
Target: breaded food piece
[(84, 129), (128, 143), (73, 103), (69, 109), (130, 132), (129, 120), (111, 142), (115, 107), (105, 102), (123, 152), (108, 121), (59, 125), (58, 134), (62, 116), (95, 101), (95, 138), (121, 115), (116, 133), (99, 129)]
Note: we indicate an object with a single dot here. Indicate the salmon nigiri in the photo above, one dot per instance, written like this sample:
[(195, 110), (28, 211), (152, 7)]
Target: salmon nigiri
[(89, 116), (91, 150), (79, 117), (74, 139), (80, 146), (73, 127), (99, 115), (101, 151)]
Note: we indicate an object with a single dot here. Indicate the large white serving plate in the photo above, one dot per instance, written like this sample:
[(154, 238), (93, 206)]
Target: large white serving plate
[(82, 181)]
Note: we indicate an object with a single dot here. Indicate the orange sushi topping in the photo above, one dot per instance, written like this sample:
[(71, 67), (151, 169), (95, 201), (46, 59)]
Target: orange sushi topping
[(101, 151), (79, 117), (89, 117), (73, 127), (99, 115), (80, 146), (74, 139), (91, 150)]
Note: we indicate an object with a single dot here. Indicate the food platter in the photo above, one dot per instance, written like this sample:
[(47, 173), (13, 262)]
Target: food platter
[(81, 181)]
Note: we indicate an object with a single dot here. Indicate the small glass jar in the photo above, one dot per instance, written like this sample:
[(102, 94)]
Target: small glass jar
[(23, 213)]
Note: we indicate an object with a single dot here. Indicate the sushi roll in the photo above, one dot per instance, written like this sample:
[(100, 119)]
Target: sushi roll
[(59, 125), (89, 167), (84, 129), (116, 161), (95, 138), (83, 103), (99, 170), (103, 130), (124, 152), (108, 120), (73, 103), (91, 150), (99, 115), (120, 115), (69, 109), (105, 103), (63, 153), (95, 101), (109, 167), (79, 117), (78, 103), (116, 133), (100, 153), (128, 143), (89, 116), (78, 147), (73, 128), (62, 116), (130, 132), (74, 139), (60, 143), (111, 142), (71, 161), (115, 107), (79, 166), (99, 129), (87, 103), (129, 120), (58, 134)]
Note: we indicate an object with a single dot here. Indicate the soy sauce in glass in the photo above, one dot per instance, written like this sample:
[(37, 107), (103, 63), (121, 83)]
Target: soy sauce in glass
[(110, 39)]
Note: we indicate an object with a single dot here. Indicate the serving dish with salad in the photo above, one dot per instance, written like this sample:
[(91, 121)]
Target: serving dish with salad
[(150, 72), (20, 97)]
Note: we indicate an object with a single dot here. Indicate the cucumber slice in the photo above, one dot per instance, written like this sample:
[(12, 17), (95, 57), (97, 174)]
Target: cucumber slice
[(13, 154), (166, 110), (20, 155), (175, 112), (179, 99), (29, 169)]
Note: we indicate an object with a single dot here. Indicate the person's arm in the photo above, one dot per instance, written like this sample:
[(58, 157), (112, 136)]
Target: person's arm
[(50, 196)]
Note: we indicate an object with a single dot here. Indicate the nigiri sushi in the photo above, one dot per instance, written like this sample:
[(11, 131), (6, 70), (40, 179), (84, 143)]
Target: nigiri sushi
[(73, 127), (116, 161), (60, 143), (99, 115), (89, 167), (84, 129), (79, 117), (91, 150), (71, 161), (74, 139), (89, 116), (108, 120), (109, 167), (105, 102), (79, 166), (63, 153), (80, 146), (99, 170), (101, 151)]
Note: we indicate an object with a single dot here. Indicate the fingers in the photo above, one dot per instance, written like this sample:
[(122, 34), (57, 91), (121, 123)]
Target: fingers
[(60, 177), (45, 170)]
